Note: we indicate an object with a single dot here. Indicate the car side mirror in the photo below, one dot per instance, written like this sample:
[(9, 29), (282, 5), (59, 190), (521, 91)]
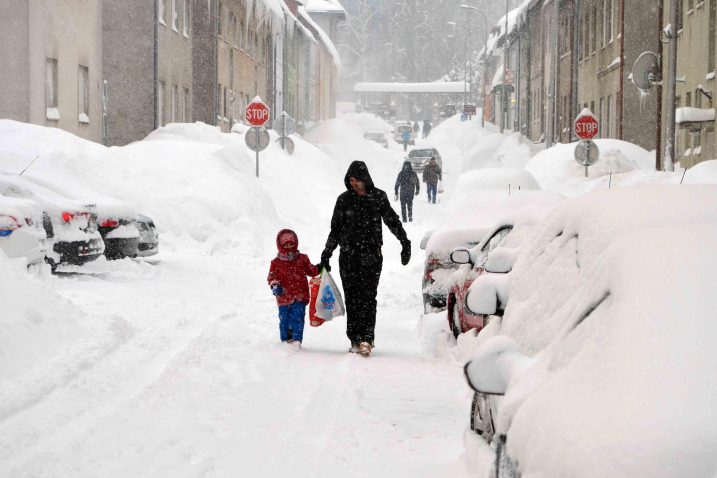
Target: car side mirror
[(488, 294), (501, 260), (493, 366), (460, 256)]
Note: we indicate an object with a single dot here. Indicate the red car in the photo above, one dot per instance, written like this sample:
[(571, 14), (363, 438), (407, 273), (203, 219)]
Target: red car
[(460, 319)]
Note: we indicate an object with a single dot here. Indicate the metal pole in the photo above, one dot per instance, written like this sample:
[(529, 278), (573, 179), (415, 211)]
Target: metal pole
[(671, 91), (504, 95), (257, 152), (485, 71)]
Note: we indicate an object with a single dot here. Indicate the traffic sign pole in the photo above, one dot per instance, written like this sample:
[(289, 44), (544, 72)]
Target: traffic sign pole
[(257, 114), (257, 153)]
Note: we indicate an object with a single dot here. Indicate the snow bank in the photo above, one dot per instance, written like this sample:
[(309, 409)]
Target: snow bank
[(44, 339), (556, 168)]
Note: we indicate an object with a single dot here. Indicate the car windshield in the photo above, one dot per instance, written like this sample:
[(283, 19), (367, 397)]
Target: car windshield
[(422, 153)]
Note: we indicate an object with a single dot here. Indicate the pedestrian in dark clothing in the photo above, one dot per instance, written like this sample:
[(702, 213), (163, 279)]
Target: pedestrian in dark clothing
[(431, 176), (426, 128), (356, 229), (416, 128), (409, 185)]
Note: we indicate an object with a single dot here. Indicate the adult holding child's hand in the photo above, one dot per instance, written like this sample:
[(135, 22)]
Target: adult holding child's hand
[(356, 229)]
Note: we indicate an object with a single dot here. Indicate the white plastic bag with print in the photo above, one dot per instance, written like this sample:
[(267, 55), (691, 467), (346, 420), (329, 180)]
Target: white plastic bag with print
[(329, 303)]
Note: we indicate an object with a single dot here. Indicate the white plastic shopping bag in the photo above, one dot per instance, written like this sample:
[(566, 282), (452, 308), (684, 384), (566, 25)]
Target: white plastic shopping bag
[(329, 303), (440, 187)]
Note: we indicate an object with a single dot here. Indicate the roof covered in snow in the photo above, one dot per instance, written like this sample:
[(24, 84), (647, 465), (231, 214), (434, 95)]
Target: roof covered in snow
[(323, 37), (432, 87), (325, 6)]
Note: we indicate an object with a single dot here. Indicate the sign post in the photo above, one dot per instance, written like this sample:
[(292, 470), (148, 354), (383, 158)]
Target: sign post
[(587, 127), (257, 138)]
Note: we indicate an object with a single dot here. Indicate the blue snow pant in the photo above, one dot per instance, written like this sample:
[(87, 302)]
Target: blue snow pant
[(432, 190), (291, 321)]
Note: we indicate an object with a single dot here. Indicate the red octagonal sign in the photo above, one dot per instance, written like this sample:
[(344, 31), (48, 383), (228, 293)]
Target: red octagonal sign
[(257, 113), (586, 125)]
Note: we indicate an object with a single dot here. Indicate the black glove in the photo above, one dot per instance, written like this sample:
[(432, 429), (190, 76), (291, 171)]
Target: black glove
[(325, 258), (405, 251)]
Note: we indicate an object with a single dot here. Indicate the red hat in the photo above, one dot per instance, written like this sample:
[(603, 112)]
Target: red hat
[(286, 235)]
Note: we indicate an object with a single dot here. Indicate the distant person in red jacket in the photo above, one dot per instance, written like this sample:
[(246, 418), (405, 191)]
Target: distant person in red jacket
[(287, 279)]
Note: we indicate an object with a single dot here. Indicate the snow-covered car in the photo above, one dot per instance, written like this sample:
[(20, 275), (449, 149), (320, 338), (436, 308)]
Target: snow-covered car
[(70, 225), (603, 363), (472, 264), (420, 157), (116, 219), (471, 214), (377, 137), (21, 232), (148, 237)]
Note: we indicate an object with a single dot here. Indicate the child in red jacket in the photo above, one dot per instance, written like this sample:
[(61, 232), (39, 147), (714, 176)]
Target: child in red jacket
[(287, 279)]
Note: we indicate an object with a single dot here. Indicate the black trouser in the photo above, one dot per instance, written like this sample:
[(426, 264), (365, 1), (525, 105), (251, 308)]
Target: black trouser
[(407, 207), (360, 272)]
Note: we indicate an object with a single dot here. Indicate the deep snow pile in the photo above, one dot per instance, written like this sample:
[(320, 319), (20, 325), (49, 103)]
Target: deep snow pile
[(478, 147), (556, 168), (45, 340)]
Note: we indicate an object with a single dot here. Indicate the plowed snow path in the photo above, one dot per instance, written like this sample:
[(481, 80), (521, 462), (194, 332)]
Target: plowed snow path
[(200, 386)]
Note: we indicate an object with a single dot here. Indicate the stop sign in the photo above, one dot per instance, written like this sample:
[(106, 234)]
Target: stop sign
[(586, 125), (257, 113)]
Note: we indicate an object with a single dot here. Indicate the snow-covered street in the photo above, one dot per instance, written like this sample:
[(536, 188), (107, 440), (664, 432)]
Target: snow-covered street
[(185, 374)]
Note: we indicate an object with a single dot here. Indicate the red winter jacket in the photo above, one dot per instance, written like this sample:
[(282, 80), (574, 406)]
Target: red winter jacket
[(289, 269)]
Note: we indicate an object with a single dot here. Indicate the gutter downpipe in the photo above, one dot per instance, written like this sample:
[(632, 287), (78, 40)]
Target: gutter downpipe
[(215, 56), (575, 58), (658, 140), (621, 116), (155, 56), (668, 159)]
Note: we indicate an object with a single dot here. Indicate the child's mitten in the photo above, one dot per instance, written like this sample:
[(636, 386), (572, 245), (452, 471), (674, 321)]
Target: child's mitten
[(277, 290)]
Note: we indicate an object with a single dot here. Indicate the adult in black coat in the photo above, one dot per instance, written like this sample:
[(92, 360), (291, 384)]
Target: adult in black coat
[(356, 228), (409, 185)]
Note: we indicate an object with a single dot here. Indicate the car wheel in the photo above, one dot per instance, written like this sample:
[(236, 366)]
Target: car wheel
[(482, 417), (53, 264), (454, 319)]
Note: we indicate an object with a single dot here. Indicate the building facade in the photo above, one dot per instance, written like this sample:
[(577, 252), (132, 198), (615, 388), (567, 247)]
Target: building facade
[(113, 71), (51, 71), (696, 59)]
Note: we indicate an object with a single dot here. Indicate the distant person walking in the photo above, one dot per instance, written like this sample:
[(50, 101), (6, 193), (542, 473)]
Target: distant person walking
[(406, 137), (431, 176), (407, 186), (426, 128), (416, 128), (356, 227)]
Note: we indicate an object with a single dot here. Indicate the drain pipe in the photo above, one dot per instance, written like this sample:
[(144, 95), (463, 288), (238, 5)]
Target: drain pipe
[(155, 55)]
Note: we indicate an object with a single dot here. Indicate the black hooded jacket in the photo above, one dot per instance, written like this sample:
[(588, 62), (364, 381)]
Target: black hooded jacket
[(407, 181), (356, 222)]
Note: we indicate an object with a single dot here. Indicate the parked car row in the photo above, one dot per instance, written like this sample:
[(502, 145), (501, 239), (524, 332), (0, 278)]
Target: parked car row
[(40, 220), (606, 323)]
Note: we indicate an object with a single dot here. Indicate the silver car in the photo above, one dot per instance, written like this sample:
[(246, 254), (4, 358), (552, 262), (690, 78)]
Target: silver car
[(419, 158)]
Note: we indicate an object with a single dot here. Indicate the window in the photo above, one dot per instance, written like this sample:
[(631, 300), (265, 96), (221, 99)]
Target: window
[(608, 20), (240, 32), (175, 103), (602, 115), (160, 13), (185, 105), (83, 94), (698, 99), (680, 14), (231, 25), (51, 83), (600, 23), (690, 5), (586, 35), (224, 104), (219, 20), (175, 16), (608, 117), (593, 45), (185, 18), (688, 99), (160, 103)]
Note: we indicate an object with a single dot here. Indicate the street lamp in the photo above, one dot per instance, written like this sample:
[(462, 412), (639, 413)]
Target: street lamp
[(469, 9)]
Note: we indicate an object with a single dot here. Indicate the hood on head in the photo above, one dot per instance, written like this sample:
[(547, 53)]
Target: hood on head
[(407, 166), (283, 234), (358, 170)]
